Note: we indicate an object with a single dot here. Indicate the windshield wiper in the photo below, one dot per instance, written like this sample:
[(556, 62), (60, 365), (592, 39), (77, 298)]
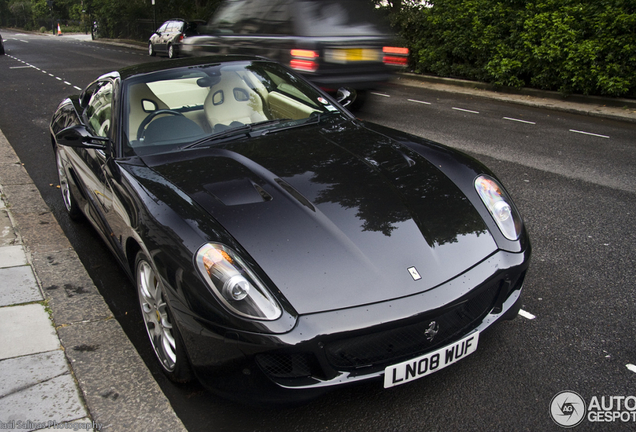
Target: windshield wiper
[(235, 131)]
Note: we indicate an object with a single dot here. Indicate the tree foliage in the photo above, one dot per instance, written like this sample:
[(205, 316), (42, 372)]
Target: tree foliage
[(574, 46), (115, 18)]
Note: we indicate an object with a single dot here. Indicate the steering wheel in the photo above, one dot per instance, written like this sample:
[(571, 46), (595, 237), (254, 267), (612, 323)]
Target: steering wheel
[(141, 132)]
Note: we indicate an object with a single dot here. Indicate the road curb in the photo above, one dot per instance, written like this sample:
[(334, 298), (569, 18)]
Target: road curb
[(118, 389)]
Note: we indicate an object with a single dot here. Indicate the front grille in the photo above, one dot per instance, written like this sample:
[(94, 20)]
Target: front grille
[(283, 365), (408, 341)]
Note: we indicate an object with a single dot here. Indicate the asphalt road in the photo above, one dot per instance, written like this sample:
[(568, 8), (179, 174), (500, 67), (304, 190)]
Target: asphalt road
[(572, 177)]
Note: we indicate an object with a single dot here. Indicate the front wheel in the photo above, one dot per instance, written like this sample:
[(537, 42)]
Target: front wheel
[(151, 50), (163, 333), (70, 203)]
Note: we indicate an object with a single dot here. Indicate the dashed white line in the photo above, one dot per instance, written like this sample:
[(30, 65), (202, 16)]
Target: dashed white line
[(631, 367), (527, 315), (381, 94), (30, 66), (466, 110), (519, 120), (588, 133), (419, 101)]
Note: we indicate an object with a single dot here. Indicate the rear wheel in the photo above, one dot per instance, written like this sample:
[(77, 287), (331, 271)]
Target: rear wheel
[(72, 208), (171, 52), (163, 333), (360, 100)]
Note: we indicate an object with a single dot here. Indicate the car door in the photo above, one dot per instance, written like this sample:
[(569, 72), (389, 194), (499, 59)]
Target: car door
[(161, 37), (89, 162)]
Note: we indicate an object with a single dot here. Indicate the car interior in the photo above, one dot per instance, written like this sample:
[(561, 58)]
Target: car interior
[(188, 108)]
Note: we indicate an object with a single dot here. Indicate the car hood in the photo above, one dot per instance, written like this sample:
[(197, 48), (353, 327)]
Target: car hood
[(336, 217)]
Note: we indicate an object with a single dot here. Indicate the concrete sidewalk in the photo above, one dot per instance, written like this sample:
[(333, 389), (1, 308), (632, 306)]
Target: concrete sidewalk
[(65, 363)]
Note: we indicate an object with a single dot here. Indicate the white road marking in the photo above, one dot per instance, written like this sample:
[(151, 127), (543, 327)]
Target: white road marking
[(631, 367), (588, 133), (519, 120), (419, 101), (380, 94), (527, 315), (30, 66), (466, 110)]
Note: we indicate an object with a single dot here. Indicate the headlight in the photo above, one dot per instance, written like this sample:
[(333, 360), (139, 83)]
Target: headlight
[(500, 206), (238, 288)]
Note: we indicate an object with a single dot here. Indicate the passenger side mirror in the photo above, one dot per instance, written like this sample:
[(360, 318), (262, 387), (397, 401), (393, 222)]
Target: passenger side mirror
[(346, 96)]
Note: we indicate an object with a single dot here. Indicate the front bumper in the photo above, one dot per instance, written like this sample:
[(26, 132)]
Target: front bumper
[(350, 345)]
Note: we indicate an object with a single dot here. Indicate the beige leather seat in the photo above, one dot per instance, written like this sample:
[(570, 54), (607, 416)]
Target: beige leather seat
[(231, 100), (137, 94)]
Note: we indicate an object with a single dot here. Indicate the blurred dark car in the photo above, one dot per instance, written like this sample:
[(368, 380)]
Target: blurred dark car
[(333, 43), (169, 37), (1, 46)]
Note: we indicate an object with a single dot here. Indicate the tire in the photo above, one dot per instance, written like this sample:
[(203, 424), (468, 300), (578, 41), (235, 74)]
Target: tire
[(151, 50), (70, 203), (172, 53), (164, 335), (361, 98)]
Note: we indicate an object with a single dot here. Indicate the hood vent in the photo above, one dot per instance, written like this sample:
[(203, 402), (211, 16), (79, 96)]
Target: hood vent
[(238, 192)]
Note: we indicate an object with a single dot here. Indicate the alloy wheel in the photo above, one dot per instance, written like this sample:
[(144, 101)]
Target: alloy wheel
[(155, 313)]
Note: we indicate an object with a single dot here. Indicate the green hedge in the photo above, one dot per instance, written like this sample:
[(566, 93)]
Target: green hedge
[(584, 47)]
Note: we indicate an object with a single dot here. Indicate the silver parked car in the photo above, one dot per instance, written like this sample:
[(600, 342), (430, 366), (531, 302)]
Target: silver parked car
[(169, 37)]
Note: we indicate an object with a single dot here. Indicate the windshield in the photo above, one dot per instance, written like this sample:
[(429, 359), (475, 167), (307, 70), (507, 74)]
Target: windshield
[(173, 108)]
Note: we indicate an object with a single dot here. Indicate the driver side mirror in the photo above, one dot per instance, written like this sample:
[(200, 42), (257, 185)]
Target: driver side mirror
[(346, 96), (149, 106), (78, 136)]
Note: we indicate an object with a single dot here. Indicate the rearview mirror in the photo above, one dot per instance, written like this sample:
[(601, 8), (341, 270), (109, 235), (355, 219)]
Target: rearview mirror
[(78, 136), (346, 96)]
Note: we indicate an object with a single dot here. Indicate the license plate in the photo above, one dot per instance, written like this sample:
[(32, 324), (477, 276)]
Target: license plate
[(349, 55), (419, 367)]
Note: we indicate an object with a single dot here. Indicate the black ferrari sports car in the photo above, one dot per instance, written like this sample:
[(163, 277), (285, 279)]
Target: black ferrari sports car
[(279, 245)]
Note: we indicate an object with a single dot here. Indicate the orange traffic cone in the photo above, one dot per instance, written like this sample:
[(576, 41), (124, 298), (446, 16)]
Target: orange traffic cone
[(59, 30)]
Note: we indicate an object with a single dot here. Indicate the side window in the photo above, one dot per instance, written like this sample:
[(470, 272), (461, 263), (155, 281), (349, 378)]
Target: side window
[(98, 112), (162, 28), (229, 18), (278, 19)]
